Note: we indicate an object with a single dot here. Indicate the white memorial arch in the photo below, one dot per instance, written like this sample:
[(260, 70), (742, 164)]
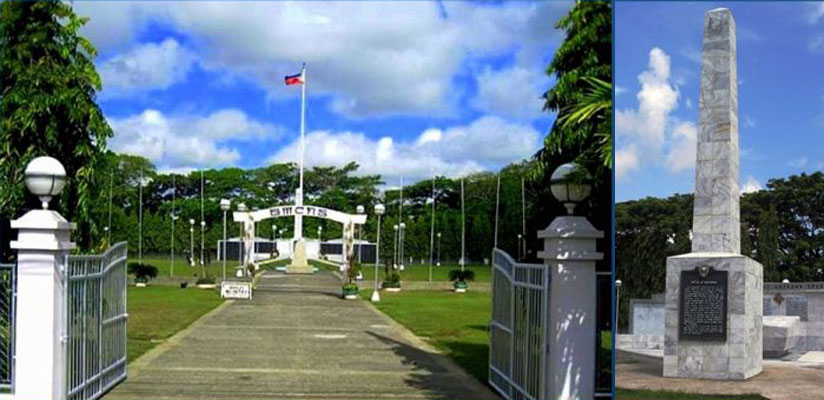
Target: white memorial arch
[(299, 264)]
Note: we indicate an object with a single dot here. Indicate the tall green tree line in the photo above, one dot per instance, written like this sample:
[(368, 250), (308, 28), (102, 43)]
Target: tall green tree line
[(782, 227)]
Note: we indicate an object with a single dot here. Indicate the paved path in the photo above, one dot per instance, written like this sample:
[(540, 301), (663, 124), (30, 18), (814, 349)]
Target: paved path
[(296, 340), (780, 380)]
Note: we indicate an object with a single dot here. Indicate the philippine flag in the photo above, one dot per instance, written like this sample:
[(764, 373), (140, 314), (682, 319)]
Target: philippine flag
[(296, 79)]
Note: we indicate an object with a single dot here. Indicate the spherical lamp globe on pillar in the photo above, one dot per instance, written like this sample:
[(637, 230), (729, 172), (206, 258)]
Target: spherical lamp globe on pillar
[(45, 178), (379, 211), (570, 185)]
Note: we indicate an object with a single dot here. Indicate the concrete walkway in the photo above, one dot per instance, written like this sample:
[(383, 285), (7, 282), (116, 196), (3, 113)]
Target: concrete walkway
[(780, 380), (296, 340)]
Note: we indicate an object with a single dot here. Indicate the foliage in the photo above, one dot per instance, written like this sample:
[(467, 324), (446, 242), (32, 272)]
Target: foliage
[(48, 108), (142, 272), (783, 223), (461, 275), (582, 94), (350, 288), (768, 253), (205, 280), (392, 281)]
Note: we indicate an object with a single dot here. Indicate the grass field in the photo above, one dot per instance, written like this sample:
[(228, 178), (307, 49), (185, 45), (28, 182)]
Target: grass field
[(183, 270), (455, 323), (158, 312), (483, 273), (624, 394)]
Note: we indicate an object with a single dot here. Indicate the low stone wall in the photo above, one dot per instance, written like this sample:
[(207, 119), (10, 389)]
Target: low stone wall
[(646, 316), (639, 342), (804, 300)]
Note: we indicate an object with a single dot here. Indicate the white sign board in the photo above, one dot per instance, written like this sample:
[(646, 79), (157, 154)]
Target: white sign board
[(236, 290)]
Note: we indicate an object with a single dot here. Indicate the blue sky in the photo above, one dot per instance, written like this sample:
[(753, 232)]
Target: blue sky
[(657, 73), (404, 88)]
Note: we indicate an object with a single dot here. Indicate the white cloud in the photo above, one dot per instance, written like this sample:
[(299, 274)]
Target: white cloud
[(816, 44), (749, 122), (619, 90), (372, 58), (816, 13), (488, 142), (750, 185), (681, 155), (688, 103), (651, 130), (184, 142), (514, 92), (799, 162), (626, 161), (146, 67)]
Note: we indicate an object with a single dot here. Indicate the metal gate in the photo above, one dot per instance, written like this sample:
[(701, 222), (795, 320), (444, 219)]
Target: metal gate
[(96, 323), (518, 345), (8, 295)]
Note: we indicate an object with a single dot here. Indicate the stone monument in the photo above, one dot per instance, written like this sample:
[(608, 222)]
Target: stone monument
[(713, 315), (299, 264)]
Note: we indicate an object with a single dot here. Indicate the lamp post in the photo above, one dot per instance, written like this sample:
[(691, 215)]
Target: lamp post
[(617, 302), (241, 208), (395, 248), (202, 230), (379, 210), (174, 218), (225, 206), (140, 220), (400, 244), (520, 237), (439, 249), (320, 234), (45, 178), (191, 242), (360, 210)]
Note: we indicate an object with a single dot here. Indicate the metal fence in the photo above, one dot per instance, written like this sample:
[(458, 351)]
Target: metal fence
[(8, 296), (96, 323), (518, 330)]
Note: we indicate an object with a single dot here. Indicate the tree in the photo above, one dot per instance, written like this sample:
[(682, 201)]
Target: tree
[(48, 107), (767, 253), (582, 95)]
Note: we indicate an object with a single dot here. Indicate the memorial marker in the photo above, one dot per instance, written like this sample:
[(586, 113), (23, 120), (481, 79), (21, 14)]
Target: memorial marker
[(714, 299)]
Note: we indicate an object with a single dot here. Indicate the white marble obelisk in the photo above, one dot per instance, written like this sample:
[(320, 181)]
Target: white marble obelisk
[(725, 343)]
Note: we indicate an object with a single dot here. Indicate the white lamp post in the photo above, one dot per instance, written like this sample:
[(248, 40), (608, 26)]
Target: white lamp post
[(400, 246), (360, 210), (439, 249), (225, 206), (617, 302), (395, 248), (320, 234), (241, 208), (379, 210), (191, 242), (520, 237), (202, 230)]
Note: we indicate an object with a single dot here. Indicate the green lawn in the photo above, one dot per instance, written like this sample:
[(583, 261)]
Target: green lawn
[(483, 273), (183, 270), (455, 323), (625, 394), (158, 312)]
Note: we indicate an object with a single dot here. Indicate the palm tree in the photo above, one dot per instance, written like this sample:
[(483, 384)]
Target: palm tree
[(594, 107)]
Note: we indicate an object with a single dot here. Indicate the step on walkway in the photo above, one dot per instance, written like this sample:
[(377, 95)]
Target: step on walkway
[(296, 340)]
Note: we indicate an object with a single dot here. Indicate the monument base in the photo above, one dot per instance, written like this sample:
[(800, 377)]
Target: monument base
[(299, 264), (704, 350)]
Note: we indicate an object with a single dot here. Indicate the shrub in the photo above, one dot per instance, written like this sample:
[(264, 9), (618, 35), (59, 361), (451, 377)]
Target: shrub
[(461, 275), (392, 281), (205, 281), (142, 272)]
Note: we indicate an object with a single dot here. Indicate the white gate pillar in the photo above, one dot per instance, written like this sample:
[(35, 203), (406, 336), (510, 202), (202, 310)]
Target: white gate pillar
[(43, 242), (570, 255)]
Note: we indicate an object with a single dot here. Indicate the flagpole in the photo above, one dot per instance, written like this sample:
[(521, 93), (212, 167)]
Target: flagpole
[(298, 217), (497, 208), (463, 227)]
